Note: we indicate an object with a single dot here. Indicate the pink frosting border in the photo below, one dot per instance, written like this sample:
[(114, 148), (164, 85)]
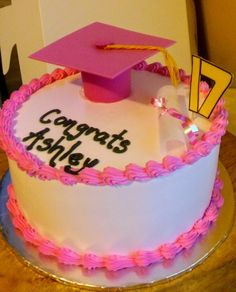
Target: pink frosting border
[(114, 262), (109, 175)]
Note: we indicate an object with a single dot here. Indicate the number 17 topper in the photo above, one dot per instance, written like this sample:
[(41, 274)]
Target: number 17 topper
[(221, 79)]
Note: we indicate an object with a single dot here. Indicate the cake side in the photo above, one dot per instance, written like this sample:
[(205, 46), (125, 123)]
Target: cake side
[(130, 217), (114, 262)]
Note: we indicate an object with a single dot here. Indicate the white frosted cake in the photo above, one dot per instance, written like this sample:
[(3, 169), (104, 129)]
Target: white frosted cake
[(111, 184), (138, 200)]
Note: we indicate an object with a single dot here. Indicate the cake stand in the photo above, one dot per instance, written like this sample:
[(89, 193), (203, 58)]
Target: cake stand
[(124, 279)]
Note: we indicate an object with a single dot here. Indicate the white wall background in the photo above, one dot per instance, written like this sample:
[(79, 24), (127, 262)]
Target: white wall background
[(33, 24), (20, 24)]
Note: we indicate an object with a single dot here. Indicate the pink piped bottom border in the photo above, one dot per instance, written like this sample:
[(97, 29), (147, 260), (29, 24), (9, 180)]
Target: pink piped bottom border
[(114, 262)]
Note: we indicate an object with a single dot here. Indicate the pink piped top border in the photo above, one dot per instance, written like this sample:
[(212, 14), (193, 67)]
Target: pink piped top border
[(114, 262), (31, 164)]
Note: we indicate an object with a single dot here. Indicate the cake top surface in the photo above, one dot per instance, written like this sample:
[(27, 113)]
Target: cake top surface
[(128, 132), (110, 175), (80, 50)]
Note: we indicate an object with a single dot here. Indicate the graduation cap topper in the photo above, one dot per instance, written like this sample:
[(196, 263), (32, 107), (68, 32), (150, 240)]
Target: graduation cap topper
[(105, 72)]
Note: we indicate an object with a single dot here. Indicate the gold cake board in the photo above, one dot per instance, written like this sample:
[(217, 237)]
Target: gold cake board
[(126, 279)]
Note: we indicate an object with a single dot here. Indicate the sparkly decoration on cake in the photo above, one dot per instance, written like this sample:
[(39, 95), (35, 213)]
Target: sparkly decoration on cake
[(190, 129), (106, 74)]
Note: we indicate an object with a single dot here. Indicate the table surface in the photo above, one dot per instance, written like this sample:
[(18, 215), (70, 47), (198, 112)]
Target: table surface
[(216, 273)]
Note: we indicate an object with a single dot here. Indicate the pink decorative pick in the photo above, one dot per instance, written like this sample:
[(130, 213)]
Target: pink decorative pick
[(190, 129)]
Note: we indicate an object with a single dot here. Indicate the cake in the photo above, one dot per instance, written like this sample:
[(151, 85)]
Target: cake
[(111, 184)]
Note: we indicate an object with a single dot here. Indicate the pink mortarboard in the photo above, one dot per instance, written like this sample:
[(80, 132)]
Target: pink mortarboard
[(105, 73)]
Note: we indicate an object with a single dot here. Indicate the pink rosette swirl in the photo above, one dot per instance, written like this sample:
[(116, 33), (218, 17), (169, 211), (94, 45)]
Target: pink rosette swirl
[(91, 261), (219, 129), (67, 256), (140, 66), (90, 176), (18, 97), (17, 147), (27, 165), (26, 90), (58, 74), (12, 207), (48, 248), (218, 184), (218, 199), (172, 163), (219, 112), (6, 124), (12, 203), (155, 169), (19, 222), (144, 258), (219, 123), (158, 255), (201, 226), (213, 138), (71, 71), (14, 97), (8, 111), (32, 236), (203, 148), (163, 71), (187, 239), (32, 167), (47, 172), (211, 213), (66, 178), (46, 79), (220, 104), (12, 154), (169, 250), (190, 156), (154, 67), (222, 117), (34, 85), (28, 162), (117, 262), (135, 172), (113, 176)]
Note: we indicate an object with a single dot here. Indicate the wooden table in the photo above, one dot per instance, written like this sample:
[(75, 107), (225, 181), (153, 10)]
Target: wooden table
[(217, 273)]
